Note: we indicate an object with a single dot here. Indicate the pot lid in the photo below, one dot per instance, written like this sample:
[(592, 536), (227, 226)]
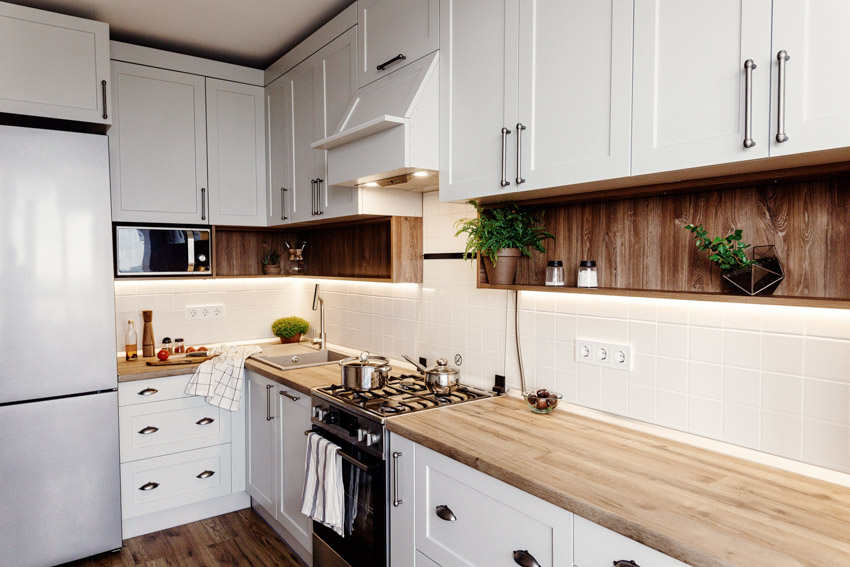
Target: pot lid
[(365, 359), (443, 368)]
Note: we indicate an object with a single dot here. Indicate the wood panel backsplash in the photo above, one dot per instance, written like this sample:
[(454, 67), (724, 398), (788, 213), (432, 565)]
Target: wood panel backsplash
[(641, 243)]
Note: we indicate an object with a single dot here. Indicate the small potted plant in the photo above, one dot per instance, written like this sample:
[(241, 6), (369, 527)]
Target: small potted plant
[(290, 329), (271, 263), (760, 272), (500, 235)]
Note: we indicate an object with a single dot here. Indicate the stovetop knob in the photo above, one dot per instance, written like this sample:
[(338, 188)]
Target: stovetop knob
[(361, 434), (371, 439)]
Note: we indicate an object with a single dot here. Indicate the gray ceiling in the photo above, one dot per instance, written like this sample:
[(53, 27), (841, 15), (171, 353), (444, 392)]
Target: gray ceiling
[(245, 32)]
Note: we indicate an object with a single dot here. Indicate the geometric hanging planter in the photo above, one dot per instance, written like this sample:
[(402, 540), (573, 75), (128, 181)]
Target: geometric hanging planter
[(762, 277)]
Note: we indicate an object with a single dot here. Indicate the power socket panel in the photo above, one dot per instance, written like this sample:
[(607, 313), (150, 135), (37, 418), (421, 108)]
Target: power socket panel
[(603, 354), (204, 312)]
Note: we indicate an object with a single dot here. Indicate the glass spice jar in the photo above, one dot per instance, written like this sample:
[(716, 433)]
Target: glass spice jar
[(179, 348), (587, 277), (555, 273), (167, 346)]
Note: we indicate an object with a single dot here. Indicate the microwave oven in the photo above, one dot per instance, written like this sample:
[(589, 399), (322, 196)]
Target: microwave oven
[(162, 251)]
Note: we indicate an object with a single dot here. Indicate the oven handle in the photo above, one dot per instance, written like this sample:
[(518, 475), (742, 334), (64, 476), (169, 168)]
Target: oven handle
[(359, 464)]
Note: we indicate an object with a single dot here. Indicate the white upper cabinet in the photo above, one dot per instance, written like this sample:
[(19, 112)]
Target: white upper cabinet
[(575, 77), (393, 33), (236, 153), (278, 147), (816, 109), (53, 65), (157, 146)]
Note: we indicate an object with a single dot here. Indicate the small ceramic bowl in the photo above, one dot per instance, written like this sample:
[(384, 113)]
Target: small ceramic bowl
[(539, 404)]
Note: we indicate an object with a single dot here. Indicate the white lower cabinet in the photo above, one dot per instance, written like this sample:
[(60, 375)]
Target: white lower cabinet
[(595, 546), (293, 420)]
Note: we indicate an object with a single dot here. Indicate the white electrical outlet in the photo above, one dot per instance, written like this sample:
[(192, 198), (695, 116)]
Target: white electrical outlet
[(584, 351), (205, 312), (192, 313), (604, 354), (621, 357), (216, 311)]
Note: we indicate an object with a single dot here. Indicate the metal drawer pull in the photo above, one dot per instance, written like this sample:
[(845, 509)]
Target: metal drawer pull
[(204, 421), (749, 65), (148, 392), (519, 129), (781, 136), (290, 396), (624, 563), (319, 209), (313, 196), (396, 59), (524, 558), (396, 500), (505, 133), (103, 94), (283, 203), (205, 474), (445, 513), (148, 430), (269, 416), (149, 486), (203, 203)]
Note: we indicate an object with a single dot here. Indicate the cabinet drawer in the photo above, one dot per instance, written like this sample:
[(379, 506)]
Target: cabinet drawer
[(491, 521), (153, 390), (152, 485), (596, 546), (171, 426)]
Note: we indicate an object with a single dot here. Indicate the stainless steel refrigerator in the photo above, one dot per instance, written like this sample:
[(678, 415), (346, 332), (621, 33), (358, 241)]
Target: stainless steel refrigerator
[(59, 469)]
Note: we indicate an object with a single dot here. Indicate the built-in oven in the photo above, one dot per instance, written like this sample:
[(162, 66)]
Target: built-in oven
[(365, 531), (162, 251)]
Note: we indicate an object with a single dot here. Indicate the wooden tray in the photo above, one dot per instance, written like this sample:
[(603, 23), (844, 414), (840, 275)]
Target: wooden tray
[(183, 360)]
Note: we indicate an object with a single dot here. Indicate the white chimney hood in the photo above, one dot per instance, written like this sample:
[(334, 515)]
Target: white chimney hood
[(389, 130)]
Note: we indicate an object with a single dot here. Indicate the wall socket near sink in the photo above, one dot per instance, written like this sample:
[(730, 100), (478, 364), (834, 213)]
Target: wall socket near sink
[(205, 312), (607, 355)]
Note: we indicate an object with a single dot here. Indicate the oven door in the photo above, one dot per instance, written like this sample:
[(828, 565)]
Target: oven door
[(364, 543)]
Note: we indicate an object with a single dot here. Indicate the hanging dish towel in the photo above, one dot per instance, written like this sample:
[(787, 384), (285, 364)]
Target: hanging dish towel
[(323, 497), (220, 379)]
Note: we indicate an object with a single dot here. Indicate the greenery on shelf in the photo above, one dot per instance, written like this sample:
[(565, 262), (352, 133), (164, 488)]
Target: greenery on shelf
[(288, 327), (728, 252), (271, 258), (506, 226)]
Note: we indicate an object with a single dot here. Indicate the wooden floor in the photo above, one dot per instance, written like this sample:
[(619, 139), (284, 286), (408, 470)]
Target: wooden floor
[(238, 538)]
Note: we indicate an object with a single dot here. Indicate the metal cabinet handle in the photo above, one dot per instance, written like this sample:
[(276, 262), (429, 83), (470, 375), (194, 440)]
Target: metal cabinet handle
[(749, 66), (313, 196), (525, 559), (396, 500), (203, 203), (396, 59), (782, 57), (519, 129), (148, 430), (445, 513), (103, 94), (283, 203), (149, 486), (505, 133), (269, 415), (204, 421), (148, 392), (205, 474), (319, 209), (290, 396), (624, 563)]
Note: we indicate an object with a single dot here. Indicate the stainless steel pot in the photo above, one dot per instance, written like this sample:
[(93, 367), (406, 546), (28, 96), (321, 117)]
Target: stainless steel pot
[(365, 372), (441, 379)]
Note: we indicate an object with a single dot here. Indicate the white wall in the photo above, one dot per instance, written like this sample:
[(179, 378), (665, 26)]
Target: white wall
[(776, 379)]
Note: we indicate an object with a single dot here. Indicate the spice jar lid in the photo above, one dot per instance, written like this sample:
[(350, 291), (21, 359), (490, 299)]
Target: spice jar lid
[(587, 264), (555, 264), (178, 340), (166, 340)]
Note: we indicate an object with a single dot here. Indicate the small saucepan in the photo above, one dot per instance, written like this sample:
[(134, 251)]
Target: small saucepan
[(441, 379), (365, 372)]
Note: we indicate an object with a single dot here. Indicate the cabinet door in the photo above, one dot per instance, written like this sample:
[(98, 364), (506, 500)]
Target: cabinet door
[(575, 77), (817, 82), (338, 82), (293, 420), (388, 28), (157, 146), (401, 471), (595, 546), (279, 142), (478, 96), (689, 82), (54, 65), (261, 440), (236, 153)]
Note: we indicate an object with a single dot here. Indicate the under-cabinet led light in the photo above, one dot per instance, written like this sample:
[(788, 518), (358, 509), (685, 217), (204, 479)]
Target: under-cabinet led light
[(371, 184), (420, 174)]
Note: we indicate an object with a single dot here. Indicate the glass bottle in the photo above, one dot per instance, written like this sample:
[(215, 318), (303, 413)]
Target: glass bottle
[(167, 346), (178, 346), (131, 342), (555, 273), (587, 274)]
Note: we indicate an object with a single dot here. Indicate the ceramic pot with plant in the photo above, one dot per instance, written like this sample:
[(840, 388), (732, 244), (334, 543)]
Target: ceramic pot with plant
[(500, 235), (290, 329), (271, 263), (758, 272)]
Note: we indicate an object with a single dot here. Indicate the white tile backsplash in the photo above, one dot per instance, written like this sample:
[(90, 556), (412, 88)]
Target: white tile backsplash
[(772, 378)]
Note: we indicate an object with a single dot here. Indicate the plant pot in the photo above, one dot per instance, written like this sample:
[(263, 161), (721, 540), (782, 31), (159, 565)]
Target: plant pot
[(763, 277), (293, 339), (503, 272), (271, 269)]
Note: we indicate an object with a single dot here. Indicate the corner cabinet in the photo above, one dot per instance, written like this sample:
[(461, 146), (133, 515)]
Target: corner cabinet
[(54, 66)]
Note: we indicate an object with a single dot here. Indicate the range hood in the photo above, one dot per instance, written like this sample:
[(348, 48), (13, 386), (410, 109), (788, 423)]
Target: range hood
[(389, 132)]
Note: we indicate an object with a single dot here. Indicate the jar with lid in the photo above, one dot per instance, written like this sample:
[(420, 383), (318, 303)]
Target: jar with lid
[(555, 273), (167, 346), (587, 274), (179, 348)]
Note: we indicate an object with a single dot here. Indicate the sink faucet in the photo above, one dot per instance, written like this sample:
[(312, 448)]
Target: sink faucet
[(318, 302)]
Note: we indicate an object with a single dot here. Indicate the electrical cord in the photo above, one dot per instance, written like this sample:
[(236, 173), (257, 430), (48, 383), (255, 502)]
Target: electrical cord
[(518, 347)]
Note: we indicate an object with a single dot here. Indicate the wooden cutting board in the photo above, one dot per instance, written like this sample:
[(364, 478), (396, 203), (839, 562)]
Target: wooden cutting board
[(183, 360)]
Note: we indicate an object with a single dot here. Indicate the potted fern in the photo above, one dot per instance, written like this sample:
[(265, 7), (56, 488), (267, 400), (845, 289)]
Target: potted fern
[(500, 236), (290, 329)]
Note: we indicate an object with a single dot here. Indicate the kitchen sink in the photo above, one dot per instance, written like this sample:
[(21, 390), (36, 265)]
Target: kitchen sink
[(301, 359)]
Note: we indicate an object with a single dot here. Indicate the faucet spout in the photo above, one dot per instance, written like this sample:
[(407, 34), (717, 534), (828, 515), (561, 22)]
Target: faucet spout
[(319, 302)]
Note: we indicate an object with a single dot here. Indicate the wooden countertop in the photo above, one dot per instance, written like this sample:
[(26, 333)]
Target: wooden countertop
[(701, 507), (301, 379)]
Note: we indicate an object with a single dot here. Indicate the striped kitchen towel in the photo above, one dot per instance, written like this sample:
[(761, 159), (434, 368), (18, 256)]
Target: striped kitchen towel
[(323, 497), (221, 379)]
